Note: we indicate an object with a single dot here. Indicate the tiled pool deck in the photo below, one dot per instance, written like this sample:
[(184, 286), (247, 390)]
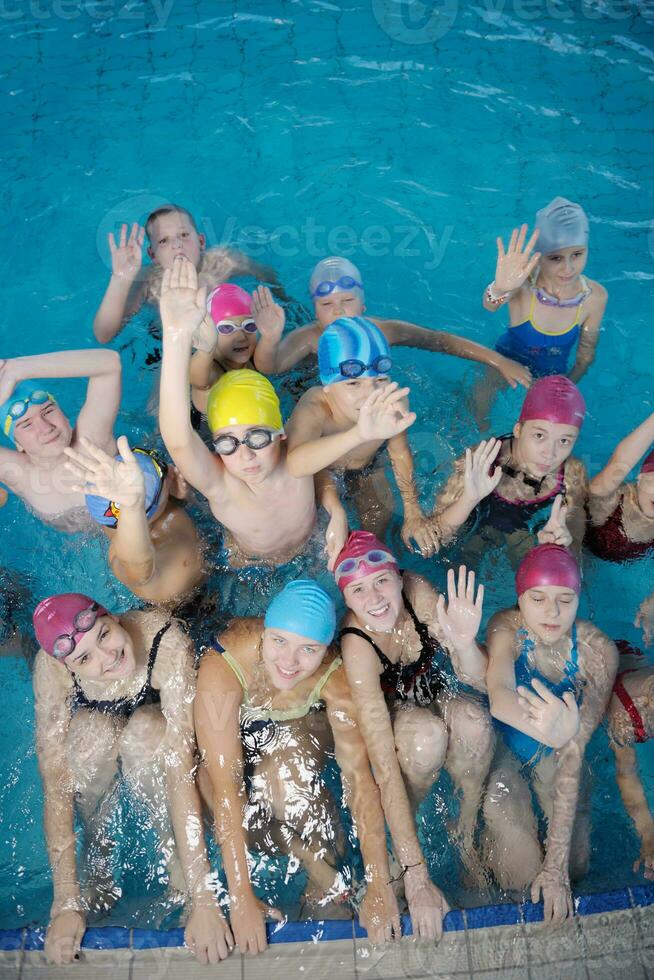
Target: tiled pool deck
[(611, 937)]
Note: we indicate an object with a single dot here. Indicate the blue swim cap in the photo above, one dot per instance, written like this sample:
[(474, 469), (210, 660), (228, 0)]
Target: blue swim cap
[(25, 393), (335, 274), (303, 607), (352, 347), (561, 224), (154, 469)]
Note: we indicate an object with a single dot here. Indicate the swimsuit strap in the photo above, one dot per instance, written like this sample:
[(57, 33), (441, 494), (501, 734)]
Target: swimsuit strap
[(631, 709), (572, 665), (236, 669), (364, 636), (428, 642), (317, 689), (154, 649)]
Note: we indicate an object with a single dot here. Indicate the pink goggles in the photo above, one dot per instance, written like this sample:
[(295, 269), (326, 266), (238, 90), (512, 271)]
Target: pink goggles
[(84, 621), (351, 569)]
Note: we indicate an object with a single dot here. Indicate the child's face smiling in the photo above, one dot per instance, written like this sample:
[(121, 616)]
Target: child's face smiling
[(562, 269), (43, 430), (349, 396), (336, 305), (173, 235), (105, 653)]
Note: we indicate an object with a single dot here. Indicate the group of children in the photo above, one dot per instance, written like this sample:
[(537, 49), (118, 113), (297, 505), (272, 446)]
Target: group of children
[(403, 687)]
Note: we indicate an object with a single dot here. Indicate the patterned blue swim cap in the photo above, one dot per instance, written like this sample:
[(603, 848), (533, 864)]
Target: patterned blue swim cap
[(352, 347), (154, 469), (303, 607)]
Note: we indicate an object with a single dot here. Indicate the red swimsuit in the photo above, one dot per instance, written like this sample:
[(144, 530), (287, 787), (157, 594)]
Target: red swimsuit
[(610, 542)]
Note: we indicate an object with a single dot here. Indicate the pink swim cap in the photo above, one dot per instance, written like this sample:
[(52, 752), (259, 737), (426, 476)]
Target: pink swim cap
[(554, 399), (228, 300), (548, 564), (648, 463), (55, 617), (362, 554)]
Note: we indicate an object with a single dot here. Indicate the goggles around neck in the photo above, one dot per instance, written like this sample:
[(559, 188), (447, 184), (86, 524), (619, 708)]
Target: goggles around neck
[(254, 439), (19, 407), (226, 327), (549, 299), (83, 621), (375, 559), (354, 368), (344, 284)]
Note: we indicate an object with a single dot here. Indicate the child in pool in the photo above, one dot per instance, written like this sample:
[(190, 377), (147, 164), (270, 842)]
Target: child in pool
[(549, 682), (155, 549), (171, 230), (33, 421), (631, 720), (547, 287), (406, 657), (336, 289), (346, 423), (535, 489), (267, 511), (621, 515), (272, 699), (111, 688)]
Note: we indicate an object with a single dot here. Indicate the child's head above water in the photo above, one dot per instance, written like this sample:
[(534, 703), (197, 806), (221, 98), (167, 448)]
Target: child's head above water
[(353, 358), (230, 309), (549, 423), (171, 231), (33, 421), (562, 241), (336, 289), (245, 418), (299, 625), (368, 575), (548, 583)]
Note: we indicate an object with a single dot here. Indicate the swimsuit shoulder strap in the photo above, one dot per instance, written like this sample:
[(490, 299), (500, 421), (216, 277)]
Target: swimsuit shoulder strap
[(317, 689), (154, 649), (236, 669), (421, 628), (364, 636), (572, 666)]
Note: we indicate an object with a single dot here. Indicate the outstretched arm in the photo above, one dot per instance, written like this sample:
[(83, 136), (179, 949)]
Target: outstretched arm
[(416, 526), (274, 355), (125, 293), (337, 529), (625, 456)]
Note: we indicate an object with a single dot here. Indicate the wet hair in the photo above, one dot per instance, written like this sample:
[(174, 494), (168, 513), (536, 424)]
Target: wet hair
[(166, 209)]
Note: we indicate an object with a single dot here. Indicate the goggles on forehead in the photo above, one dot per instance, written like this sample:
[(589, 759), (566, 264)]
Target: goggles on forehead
[(18, 408), (254, 439), (374, 559), (226, 327), (343, 284), (84, 621)]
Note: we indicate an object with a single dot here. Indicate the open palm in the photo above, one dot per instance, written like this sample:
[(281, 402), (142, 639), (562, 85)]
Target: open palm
[(516, 263)]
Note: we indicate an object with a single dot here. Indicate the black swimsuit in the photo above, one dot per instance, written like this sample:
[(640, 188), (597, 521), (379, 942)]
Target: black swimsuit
[(420, 681), (124, 707)]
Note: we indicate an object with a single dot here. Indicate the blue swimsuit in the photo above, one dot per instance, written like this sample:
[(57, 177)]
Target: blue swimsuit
[(527, 749), (543, 353)]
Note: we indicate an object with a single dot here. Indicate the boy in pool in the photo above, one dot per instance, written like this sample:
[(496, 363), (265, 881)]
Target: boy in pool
[(621, 515), (267, 512), (631, 721), (549, 681), (345, 424), (32, 420), (171, 230), (523, 486), (336, 289), (112, 690), (155, 549)]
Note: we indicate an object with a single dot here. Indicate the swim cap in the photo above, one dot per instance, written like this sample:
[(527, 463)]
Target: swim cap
[(648, 463), (243, 397), (55, 617), (352, 340), (362, 554), (561, 224), (303, 607), (106, 512), (228, 300), (554, 399), (548, 564), (25, 393), (335, 275)]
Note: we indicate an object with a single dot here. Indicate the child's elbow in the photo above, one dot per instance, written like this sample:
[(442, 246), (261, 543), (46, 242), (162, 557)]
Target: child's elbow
[(295, 466)]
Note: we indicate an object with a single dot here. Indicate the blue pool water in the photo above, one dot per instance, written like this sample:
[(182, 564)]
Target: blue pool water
[(294, 129)]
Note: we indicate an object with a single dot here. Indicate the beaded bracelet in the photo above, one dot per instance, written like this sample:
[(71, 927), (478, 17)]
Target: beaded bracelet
[(492, 298)]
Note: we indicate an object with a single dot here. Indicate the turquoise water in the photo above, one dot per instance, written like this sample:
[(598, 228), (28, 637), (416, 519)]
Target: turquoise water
[(301, 128)]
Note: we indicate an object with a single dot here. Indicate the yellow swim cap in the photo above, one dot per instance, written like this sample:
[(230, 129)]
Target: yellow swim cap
[(243, 398)]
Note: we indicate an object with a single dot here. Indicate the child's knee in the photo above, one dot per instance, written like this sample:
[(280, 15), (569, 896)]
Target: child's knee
[(420, 741), (471, 725)]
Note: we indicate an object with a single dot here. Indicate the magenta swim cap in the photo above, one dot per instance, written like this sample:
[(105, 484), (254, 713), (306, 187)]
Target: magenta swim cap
[(361, 555), (548, 564), (554, 399), (228, 300), (648, 463), (64, 617)]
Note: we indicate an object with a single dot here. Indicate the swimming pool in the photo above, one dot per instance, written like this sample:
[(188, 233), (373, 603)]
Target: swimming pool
[(294, 129)]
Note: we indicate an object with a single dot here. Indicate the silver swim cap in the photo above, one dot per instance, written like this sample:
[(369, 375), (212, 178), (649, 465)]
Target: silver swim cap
[(561, 224), (335, 274)]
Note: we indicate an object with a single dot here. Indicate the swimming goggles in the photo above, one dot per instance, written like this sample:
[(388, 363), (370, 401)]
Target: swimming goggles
[(548, 299), (353, 368), (84, 621), (344, 284), (226, 327), (18, 408), (254, 439), (374, 559)]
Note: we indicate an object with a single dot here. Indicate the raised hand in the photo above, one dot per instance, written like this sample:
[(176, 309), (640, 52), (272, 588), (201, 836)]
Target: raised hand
[(556, 530), (555, 719), (479, 481), (268, 316), (460, 621), (515, 265), (127, 255), (123, 483), (557, 895), (424, 532), (183, 306), (383, 415)]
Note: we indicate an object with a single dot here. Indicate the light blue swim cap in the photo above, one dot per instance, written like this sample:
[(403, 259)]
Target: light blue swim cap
[(335, 274), (154, 469), (303, 607), (352, 347), (25, 393), (561, 224)]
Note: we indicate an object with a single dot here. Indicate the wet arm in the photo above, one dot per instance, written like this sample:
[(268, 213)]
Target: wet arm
[(440, 341), (276, 357), (202, 369), (401, 459), (633, 794), (132, 556), (625, 456), (470, 663), (122, 299), (308, 450), (575, 498), (453, 507), (589, 336)]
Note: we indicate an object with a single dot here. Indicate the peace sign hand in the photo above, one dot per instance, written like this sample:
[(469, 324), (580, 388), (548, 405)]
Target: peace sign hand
[(556, 530), (514, 266)]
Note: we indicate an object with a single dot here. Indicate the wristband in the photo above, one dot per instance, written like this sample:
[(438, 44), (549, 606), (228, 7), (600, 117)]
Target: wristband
[(492, 298)]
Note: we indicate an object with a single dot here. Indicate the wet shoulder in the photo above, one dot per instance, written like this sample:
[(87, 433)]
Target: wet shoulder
[(598, 654)]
